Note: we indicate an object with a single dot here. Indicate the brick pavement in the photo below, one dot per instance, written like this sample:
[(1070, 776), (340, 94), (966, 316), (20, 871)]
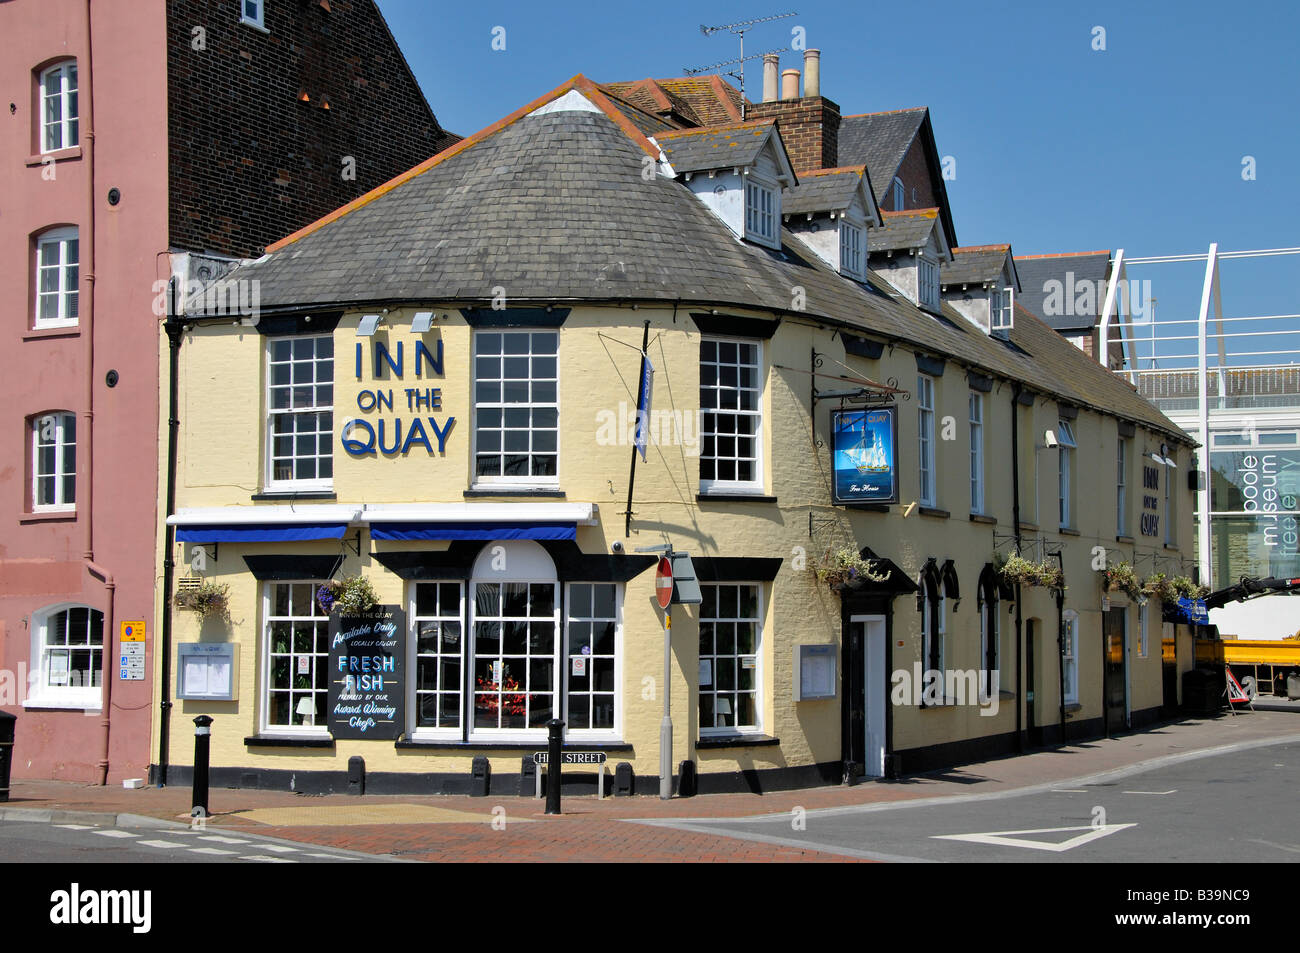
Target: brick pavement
[(596, 831)]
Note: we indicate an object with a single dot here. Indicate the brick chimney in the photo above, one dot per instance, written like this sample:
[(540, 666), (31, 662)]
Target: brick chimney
[(809, 124)]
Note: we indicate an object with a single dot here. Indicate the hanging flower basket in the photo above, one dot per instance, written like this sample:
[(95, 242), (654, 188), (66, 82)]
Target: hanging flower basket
[(1018, 569), (1183, 586), (350, 596), (844, 567), (1159, 586), (1120, 577), (208, 599)]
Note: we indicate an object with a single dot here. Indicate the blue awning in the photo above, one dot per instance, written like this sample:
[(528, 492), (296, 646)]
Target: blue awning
[(482, 531), (259, 532)]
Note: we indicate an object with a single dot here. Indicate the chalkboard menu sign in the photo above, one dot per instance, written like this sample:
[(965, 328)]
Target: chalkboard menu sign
[(367, 683)]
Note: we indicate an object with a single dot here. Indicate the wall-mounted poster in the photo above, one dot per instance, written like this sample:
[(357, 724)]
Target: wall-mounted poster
[(864, 455), (367, 684)]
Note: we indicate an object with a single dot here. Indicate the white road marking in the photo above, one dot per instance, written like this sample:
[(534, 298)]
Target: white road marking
[(1170, 791), (1256, 840), (1069, 791), (223, 840), (281, 849), (160, 843), (269, 860), (76, 827), (316, 853), (1002, 838), (214, 851), (114, 832)]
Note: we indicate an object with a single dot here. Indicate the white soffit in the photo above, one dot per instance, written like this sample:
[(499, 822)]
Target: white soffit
[(583, 513), (571, 102)]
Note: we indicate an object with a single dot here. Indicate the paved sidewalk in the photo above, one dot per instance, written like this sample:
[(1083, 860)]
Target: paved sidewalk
[(513, 829)]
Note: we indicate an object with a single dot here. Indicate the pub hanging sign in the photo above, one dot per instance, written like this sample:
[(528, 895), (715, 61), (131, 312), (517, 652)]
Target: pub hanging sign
[(367, 674), (864, 455)]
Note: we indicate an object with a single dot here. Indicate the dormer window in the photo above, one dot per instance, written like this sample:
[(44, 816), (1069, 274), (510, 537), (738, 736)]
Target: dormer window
[(1001, 303), (851, 249), (927, 280), (760, 213)]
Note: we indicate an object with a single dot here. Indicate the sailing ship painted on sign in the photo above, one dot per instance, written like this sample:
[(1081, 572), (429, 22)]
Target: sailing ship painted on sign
[(863, 456)]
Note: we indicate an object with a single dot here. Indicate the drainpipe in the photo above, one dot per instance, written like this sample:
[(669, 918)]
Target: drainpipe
[(174, 328), (1015, 521), (1060, 642), (87, 301), (105, 722), (86, 437)]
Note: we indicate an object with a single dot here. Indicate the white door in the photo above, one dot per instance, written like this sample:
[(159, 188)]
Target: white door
[(875, 682)]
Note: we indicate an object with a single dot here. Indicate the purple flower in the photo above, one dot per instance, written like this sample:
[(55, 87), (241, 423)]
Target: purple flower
[(325, 596)]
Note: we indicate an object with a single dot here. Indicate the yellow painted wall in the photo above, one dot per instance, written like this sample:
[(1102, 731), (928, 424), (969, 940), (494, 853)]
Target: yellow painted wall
[(222, 464)]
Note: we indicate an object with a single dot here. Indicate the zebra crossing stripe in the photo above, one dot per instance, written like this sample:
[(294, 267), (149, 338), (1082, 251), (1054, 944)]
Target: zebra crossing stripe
[(114, 832)]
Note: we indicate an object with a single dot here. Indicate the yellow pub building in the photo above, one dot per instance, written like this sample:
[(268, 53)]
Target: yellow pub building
[(409, 521)]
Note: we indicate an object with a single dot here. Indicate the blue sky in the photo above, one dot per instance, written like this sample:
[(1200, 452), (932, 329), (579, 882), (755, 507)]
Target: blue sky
[(1058, 147)]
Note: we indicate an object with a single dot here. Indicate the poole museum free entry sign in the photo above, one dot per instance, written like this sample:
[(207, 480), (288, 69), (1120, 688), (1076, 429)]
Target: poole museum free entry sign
[(366, 681), (864, 455)]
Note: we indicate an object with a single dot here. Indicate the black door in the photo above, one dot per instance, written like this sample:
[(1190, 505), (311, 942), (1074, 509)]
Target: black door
[(1031, 636), (854, 732), (1113, 645)]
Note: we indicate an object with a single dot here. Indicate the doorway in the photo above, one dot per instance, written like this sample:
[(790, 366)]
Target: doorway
[(865, 692), (1115, 677)]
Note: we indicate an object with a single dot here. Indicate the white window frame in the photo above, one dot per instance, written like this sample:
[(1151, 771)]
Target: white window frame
[(40, 694), (443, 615), (976, 452), (1070, 655), (316, 617), (1002, 303), (41, 425), (927, 282), (58, 243), (925, 440), (762, 211), (272, 413), (531, 406), (67, 127), (716, 485), (1066, 446), (1121, 487), (899, 195), (525, 734), (760, 608), (1142, 629), (851, 249), (259, 17), (615, 732)]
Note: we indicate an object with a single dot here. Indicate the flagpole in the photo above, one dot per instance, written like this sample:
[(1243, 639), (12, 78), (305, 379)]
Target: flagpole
[(631, 477)]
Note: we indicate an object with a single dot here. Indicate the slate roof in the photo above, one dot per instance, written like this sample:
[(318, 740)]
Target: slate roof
[(879, 140), (825, 190), (553, 208), (974, 265), (900, 230), (694, 150), (1072, 270)]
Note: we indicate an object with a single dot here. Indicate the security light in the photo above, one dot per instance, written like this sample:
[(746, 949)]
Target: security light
[(367, 326), (422, 321), (1049, 439)]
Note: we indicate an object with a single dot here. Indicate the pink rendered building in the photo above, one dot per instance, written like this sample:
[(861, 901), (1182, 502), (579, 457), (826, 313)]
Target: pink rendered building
[(143, 140)]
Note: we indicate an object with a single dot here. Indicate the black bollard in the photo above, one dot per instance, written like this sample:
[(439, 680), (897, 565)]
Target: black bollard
[(554, 740), (202, 737)]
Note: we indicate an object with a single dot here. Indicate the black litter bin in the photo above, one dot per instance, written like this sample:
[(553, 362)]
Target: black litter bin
[(1203, 691), (7, 724)]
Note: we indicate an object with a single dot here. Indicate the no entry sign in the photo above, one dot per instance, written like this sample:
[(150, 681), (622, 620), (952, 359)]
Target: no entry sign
[(664, 582)]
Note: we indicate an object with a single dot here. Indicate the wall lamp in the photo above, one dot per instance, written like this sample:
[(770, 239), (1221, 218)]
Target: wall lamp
[(367, 325)]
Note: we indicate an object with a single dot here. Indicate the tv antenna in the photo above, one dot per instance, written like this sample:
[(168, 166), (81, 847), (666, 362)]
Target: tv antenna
[(738, 29)]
